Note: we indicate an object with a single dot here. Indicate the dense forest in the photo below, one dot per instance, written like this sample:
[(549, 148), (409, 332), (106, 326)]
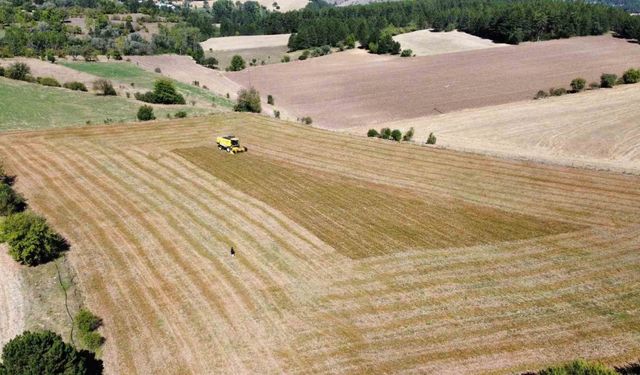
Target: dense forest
[(506, 21), (34, 28)]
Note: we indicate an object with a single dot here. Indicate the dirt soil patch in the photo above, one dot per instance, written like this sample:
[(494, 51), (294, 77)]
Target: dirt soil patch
[(232, 43), (357, 89), (427, 42)]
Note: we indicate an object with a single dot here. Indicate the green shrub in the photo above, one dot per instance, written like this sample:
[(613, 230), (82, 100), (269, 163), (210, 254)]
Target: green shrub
[(385, 133), (145, 113), (210, 62), (237, 64), (248, 101), (406, 53), (396, 135), (1, 71), (306, 120), (19, 71), (75, 85), (431, 140), (285, 59), (304, 55), (631, 76), (373, 133), (557, 92), (164, 92), (45, 353), (10, 201), (578, 84), (104, 87), (48, 81), (30, 239), (541, 95), (270, 99), (180, 114), (608, 80), (276, 113), (579, 367), (92, 340), (408, 136), (86, 321)]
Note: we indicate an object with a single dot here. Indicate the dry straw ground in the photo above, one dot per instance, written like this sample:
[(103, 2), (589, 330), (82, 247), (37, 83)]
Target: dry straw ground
[(354, 89), (455, 263), (427, 42)]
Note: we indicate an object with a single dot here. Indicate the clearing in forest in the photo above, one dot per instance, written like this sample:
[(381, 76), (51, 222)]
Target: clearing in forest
[(353, 255)]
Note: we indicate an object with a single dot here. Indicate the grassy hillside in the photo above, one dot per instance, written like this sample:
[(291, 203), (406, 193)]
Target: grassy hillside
[(128, 73), (32, 106)]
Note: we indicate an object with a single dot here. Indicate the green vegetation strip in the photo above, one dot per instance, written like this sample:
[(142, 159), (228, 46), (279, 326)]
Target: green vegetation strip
[(128, 73), (32, 106)]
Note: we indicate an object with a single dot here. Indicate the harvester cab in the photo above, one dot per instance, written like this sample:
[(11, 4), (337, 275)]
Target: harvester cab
[(230, 144)]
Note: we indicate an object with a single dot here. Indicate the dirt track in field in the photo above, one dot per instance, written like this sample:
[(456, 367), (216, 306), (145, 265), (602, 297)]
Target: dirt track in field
[(356, 89), (150, 233), (13, 304)]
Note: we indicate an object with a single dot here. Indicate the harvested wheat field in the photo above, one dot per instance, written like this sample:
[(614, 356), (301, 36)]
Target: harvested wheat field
[(596, 129), (427, 42), (233, 43), (356, 89), (354, 255)]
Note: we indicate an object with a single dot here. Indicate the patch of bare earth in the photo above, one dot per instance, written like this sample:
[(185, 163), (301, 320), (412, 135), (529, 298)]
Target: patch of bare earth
[(596, 129), (13, 302), (427, 42), (231, 43), (356, 89), (151, 227)]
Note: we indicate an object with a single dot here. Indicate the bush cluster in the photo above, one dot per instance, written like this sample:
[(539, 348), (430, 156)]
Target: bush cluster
[(578, 367), (395, 134), (406, 53), (87, 324), (607, 80), (306, 120), (164, 92), (180, 114), (75, 85), (248, 101), (31, 241), (104, 87), (431, 140), (48, 81), (45, 353)]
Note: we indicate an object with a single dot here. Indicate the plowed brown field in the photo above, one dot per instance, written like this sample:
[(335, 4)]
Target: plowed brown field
[(355, 89), (454, 263)]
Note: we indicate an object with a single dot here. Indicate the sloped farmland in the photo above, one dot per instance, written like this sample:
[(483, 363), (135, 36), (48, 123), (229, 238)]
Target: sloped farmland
[(354, 88), (353, 255)]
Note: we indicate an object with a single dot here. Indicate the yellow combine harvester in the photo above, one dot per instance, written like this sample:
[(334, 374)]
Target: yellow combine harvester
[(230, 144)]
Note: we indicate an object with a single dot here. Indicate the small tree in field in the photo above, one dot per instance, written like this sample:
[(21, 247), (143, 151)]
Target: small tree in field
[(30, 239), (408, 136), (432, 139), (270, 99), (104, 87), (608, 80), (578, 84), (385, 133), (145, 113), (248, 101), (396, 135), (237, 64), (373, 133), (631, 76), (19, 71)]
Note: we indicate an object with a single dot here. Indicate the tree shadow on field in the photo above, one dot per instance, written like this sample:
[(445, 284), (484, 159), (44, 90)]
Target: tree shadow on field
[(629, 369)]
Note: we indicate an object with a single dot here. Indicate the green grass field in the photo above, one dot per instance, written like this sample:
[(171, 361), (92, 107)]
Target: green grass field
[(130, 74), (31, 106)]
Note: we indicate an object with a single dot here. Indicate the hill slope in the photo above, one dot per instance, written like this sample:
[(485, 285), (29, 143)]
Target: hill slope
[(353, 255)]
